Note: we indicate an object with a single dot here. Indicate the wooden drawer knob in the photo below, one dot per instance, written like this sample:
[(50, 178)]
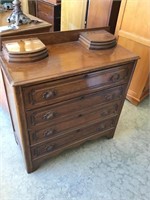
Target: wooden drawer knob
[(101, 127), (49, 148), (48, 116), (105, 113), (109, 97), (48, 133), (48, 94), (115, 77)]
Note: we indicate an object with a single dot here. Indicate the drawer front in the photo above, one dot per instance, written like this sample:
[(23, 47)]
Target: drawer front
[(80, 119), (51, 115), (56, 91), (72, 137)]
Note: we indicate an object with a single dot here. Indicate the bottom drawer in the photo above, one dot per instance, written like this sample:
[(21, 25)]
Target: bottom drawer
[(72, 137)]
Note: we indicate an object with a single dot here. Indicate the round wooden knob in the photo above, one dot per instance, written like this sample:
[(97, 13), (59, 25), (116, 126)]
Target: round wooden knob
[(48, 94), (48, 116), (115, 77)]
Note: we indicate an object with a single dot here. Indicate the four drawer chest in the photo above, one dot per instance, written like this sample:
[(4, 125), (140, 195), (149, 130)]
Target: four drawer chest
[(73, 96)]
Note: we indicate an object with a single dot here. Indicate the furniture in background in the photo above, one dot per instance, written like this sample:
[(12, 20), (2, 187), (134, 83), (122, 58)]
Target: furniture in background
[(114, 15), (24, 29), (32, 7), (73, 96), (133, 32), (89, 14), (99, 13), (50, 12), (73, 14)]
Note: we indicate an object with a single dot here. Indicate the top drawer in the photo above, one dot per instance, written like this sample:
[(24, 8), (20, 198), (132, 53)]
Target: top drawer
[(56, 91)]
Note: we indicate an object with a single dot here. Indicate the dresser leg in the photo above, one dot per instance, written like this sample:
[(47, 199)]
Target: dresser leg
[(33, 168), (110, 135), (16, 139)]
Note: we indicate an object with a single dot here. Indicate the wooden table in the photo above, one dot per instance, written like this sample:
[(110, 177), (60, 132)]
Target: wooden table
[(24, 29)]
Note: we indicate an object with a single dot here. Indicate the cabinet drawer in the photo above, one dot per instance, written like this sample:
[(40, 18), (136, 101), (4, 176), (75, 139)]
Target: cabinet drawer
[(72, 137), (81, 118), (56, 91), (53, 114)]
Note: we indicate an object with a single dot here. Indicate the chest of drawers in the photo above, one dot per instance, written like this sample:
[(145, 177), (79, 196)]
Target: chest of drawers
[(73, 96)]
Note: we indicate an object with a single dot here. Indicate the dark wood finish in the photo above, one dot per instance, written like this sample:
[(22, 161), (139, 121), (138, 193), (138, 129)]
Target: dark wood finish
[(49, 93), (50, 13), (32, 7), (114, 15), (75, 136), (73, 96), (57, 128)]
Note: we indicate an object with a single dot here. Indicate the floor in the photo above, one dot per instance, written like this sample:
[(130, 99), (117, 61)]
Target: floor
[(115, 169)]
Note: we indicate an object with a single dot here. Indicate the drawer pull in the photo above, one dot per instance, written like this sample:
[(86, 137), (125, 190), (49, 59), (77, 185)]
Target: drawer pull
[(115, 77), (48, 94), (49, 148), (48, 116), (109, 97), (78, 130), (86, 76), (105, 113), (48, 133), (101, 127), (81, 97)]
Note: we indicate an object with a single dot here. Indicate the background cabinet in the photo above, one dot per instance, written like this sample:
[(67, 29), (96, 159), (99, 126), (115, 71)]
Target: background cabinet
[(50, 13), (133, 32), (89, 14), (99, 13), (73, 14)]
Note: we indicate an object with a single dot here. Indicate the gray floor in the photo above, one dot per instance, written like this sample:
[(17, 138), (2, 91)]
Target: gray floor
[(116, 169)]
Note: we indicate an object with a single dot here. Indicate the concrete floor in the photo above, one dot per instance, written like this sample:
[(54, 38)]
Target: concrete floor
[(116, 169)]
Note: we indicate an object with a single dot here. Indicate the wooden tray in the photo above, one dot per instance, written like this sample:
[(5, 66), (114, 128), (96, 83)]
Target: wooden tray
[(98, 36), (24, 46), (24, 50)]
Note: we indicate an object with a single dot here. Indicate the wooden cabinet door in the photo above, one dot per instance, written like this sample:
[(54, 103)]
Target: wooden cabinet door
[(99, 13), (73, 14), (133, 32)]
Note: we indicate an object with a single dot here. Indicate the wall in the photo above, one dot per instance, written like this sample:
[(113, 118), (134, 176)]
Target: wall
[(25, 6)]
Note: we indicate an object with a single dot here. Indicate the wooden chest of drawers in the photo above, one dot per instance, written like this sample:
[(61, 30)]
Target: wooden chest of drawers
[(49, 12), (73, 96)]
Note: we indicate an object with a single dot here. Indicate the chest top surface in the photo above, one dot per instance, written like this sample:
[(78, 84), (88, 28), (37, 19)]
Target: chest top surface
[(66, 59)]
